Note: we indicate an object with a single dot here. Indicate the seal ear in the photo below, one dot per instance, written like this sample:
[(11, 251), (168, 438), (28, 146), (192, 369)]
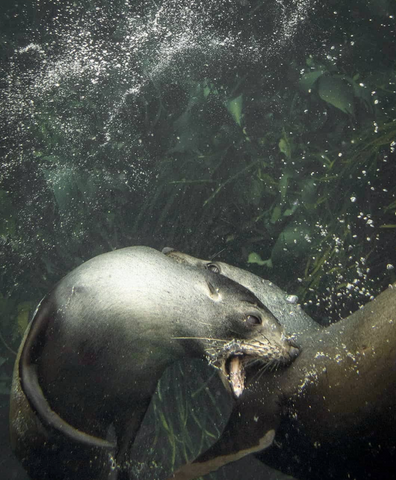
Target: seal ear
[(214, 292)]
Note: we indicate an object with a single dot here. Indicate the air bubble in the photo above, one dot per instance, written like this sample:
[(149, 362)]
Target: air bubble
[(292, 299)]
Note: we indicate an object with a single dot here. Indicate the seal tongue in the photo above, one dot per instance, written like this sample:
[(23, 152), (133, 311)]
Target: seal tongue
[(236, 375)]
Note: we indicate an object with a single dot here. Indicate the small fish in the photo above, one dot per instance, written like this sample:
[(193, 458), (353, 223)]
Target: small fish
[(237, 376)]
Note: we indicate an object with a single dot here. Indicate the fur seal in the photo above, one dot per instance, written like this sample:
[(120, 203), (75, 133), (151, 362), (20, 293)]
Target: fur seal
[(335, 405), (290, 315), (101, 339)]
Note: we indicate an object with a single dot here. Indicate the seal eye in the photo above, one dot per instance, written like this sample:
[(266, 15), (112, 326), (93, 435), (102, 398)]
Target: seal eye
[(213, 267), (251, 320)]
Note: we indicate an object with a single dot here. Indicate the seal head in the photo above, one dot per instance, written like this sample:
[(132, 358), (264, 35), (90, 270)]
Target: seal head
[(298, 325)]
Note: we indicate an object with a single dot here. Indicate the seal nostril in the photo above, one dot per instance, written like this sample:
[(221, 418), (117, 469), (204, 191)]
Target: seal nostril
[(291, 341), (294, 352)]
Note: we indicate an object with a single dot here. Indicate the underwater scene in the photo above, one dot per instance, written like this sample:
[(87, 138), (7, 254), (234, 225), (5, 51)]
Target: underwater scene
[(198, 239)]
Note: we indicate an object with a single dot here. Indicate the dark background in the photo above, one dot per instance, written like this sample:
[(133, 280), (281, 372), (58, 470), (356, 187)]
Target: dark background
[(257, 132)]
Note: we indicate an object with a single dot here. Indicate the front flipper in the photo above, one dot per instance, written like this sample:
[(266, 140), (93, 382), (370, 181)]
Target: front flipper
[(251, 428)]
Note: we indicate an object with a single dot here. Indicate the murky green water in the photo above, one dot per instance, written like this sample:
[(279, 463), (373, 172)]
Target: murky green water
[(261, 133)]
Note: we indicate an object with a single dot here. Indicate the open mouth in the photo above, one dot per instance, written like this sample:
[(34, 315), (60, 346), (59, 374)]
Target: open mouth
[(237, 356), (231, 362)]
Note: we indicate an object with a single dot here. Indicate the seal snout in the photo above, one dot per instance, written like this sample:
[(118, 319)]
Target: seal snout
[(292, 350)]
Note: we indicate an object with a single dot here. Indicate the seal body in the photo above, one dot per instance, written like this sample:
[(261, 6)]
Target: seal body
[(100, 341), (335, 405)]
